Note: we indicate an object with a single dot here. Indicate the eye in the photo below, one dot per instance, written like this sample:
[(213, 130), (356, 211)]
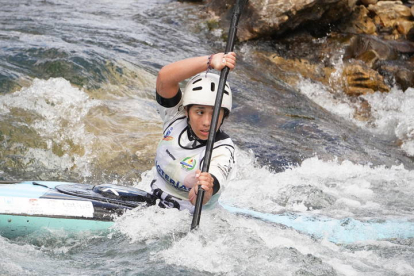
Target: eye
[(199, 111)]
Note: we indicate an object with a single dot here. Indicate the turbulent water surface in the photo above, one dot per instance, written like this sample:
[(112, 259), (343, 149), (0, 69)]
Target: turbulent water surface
[(77, 103)]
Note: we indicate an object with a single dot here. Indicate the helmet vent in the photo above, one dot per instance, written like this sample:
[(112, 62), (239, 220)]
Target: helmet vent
[(202, 89)]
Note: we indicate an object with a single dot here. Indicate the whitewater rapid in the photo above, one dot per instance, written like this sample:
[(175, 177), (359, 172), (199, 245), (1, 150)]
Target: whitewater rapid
[(77, 104)]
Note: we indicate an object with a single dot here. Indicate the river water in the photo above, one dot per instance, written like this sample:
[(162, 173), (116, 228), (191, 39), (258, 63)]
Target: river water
[(77, 103)]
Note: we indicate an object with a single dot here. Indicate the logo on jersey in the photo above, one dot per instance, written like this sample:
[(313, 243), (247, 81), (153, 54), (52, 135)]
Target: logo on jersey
[(167, 136), (169, 180), (188, 163)]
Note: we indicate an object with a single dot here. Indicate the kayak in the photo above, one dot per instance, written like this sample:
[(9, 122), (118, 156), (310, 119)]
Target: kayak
[(32, 206), (35, 206), (339, 231)]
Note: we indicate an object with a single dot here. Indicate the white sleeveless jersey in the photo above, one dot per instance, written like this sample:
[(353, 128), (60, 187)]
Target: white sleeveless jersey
[(178, 157)]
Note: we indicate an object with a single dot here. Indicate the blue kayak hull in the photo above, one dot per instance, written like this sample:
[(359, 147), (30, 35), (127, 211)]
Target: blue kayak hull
[(339, 231), (37, 206), (13, 226)]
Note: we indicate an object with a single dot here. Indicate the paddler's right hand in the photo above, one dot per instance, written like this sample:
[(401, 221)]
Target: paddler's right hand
[(207, 182)]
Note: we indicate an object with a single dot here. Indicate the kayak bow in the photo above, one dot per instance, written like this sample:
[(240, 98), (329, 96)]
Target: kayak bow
[(33, 206), (339, 231)]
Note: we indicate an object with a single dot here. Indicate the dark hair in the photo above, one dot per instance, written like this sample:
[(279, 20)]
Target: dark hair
[(226, 113)]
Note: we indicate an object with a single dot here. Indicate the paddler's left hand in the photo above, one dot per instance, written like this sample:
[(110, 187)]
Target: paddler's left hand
[(207, 182), (221, 60)]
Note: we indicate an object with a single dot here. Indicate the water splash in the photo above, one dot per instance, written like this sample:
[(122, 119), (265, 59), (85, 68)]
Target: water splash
[(390, 113), (152, 223), (393, 115), (336, 189), (55, 112), (334, 103), (54, 129)]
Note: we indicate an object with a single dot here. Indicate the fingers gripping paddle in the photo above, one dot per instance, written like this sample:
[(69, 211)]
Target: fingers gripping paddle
[(214, 120)]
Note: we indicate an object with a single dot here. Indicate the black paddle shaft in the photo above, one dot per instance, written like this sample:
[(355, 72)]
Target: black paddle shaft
[(217, 105)]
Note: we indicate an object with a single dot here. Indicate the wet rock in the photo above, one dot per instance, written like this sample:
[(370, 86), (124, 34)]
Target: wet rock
[(289, 70), (399, 72), (360, 79), (370, 49), (402, 46), (392, 19), (363, 109), (410, 34), (369, 2), (360, 22), (376, 37), (389, 19), (382, 56), (275, 17)]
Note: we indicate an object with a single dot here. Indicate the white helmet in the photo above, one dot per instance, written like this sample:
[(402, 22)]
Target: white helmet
[(202, 90)]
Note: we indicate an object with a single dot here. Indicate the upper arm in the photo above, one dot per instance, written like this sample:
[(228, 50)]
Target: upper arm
[(170, 109), (168, 102), (166, 85)]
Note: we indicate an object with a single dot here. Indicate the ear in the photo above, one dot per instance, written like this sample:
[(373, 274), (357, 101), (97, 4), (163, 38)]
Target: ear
[(186, 111)]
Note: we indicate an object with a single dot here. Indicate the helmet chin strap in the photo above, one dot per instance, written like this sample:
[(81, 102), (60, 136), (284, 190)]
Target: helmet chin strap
[(193, 136)]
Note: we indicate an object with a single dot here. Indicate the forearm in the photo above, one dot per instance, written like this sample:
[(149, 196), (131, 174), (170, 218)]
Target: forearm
[(172, 74)]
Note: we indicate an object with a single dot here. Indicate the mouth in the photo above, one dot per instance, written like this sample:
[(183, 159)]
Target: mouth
[(204, 132)]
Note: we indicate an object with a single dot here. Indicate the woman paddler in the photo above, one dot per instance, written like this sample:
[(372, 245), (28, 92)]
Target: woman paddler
[(187, 118)]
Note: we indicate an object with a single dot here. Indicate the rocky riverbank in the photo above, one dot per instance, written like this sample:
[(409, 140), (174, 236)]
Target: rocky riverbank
[(356, 47)]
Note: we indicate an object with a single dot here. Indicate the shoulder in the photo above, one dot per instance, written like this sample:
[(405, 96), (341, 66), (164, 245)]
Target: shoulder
[(221, 135), (170, 109), (223, 148), (222, 139), (168, 103)]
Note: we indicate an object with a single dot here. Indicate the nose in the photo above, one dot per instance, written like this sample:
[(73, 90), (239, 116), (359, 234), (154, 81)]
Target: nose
[(207, 120)]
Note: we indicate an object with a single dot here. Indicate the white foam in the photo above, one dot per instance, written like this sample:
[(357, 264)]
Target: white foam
[(391, 113), (59, 105), (11, 254), (59, 110), (333, 102), (146, 224), (231, 245), (335, 188)]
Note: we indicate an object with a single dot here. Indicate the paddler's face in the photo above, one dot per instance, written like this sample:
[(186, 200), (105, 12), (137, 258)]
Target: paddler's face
[(200, 119)]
